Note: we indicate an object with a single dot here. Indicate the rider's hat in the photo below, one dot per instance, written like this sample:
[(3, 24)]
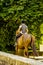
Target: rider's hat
[(23, 21)]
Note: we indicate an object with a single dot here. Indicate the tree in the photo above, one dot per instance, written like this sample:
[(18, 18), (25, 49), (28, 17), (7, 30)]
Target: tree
[(11, 14)]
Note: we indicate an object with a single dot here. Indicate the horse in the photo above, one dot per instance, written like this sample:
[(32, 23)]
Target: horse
[(23, 42)]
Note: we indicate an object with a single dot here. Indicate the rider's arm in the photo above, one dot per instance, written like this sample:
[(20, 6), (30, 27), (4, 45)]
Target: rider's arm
[(26, 29), (20, 27)]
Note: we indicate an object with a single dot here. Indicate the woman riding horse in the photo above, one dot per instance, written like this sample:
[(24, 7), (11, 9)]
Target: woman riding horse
[(24, 40), (22, 29)]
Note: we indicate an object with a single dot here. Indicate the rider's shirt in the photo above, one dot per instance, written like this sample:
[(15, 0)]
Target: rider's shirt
[(23, 28)]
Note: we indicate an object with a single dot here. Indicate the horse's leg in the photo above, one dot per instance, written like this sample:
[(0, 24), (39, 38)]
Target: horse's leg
[(16, 49), (26, 52)]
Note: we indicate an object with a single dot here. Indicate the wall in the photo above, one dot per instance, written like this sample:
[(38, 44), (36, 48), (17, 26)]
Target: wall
[(10, 59)]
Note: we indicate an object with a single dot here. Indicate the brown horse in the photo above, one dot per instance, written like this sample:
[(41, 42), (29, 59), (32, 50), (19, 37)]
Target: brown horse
[(24, 41)]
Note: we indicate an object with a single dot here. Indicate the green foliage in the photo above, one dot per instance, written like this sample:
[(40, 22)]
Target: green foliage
[(11, 14)]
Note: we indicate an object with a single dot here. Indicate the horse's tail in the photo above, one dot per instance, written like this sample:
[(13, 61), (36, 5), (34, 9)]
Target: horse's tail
[(33, 46)]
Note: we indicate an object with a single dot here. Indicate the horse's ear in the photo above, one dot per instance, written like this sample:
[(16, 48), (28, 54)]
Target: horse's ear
[(17, 32)]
